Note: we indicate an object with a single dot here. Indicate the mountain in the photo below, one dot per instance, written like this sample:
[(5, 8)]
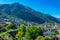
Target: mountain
[(58, 19), (25, 13)]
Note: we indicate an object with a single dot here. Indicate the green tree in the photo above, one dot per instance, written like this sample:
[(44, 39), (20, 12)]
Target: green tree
[(47, 38), (9, 25), (22, 28), (39, 37), (21, 32), (33, 31), (19, 35), (55, 32), (10, 38), (43, 38)]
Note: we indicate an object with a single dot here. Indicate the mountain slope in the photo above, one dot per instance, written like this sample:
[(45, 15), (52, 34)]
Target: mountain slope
[(58, 19), (26, 13)]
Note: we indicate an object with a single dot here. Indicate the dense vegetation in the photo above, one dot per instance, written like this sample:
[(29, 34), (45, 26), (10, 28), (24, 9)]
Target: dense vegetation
[(22, 32)]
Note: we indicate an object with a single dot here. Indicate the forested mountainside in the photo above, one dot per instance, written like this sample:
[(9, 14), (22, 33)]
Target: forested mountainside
[(25, 13)]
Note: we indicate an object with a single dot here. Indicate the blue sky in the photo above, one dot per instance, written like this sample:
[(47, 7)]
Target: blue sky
[(51, 7)]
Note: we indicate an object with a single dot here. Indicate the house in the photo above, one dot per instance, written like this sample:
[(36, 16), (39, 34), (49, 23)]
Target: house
[(55, 38), (48, 33), (58, 35), (58, 28)]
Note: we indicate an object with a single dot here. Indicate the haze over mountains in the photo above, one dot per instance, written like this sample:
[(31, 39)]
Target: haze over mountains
[(25, 13)]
